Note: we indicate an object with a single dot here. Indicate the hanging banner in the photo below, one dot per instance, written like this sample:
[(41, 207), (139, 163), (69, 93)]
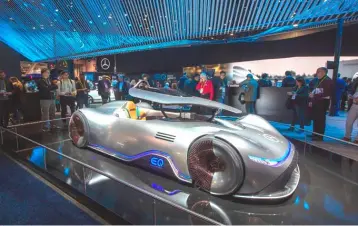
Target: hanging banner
[(105, 63)]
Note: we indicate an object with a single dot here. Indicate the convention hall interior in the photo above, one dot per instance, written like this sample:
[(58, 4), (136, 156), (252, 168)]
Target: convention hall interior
[(178, 112)]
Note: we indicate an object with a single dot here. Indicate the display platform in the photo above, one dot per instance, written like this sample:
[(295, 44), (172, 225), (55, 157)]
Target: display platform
[(322, 197)]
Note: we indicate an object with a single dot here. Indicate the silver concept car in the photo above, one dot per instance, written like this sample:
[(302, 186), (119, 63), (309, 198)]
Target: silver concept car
[(245, 158)]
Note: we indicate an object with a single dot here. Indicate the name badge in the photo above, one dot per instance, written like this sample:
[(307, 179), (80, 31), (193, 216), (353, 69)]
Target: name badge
[(201, 90), (293, 97)]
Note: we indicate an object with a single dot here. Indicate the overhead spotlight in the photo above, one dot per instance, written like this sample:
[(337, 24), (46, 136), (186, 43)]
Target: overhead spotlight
[(56, 10), (295, 25), (231, 34)]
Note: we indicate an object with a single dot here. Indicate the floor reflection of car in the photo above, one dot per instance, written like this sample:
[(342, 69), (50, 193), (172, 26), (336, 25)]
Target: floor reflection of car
[(94, 97)]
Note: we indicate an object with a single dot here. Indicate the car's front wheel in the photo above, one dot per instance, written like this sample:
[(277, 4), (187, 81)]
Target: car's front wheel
[(215, 166), (78, 130)]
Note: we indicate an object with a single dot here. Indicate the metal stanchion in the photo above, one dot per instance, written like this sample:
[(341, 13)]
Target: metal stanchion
[(304, 146), (44, 155), (154, 213), (84, 180), (17, 140), (2, 139)]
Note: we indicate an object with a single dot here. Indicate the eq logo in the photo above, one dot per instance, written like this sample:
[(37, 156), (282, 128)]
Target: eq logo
[(157, 162)]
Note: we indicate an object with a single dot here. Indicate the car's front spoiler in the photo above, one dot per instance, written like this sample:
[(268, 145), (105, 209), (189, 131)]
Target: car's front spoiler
[(287, 191)]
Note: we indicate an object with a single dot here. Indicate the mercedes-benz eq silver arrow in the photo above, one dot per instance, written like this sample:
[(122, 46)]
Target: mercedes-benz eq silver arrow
[(245, 158)]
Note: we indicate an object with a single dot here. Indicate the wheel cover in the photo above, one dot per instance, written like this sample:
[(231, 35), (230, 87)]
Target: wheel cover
[(77, 130), (215, 167)]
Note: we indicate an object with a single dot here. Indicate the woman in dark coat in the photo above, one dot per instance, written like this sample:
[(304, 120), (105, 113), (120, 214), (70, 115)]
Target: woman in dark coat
[(299, 99)]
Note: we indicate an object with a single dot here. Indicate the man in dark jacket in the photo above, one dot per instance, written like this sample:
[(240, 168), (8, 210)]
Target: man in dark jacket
[(5, 93), (190, 85), (265, 81), (47, 93), (288, 81), (121, 89), (104, 89), (319, 101), (182, 81)]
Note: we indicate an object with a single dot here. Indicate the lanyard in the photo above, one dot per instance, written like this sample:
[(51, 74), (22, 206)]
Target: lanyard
[(81, 84), (5, 84), (298, 89), (46, 81), (321, 81), (203, 84)]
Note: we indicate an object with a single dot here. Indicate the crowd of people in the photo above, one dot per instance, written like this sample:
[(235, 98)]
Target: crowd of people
[(308, 100), (312, 100)]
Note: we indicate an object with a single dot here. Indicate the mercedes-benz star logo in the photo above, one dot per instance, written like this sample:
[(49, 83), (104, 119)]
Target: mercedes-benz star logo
[(105, 64), (271, 138)]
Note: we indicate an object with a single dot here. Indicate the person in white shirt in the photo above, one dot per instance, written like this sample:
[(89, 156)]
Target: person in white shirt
[(352, 114), (67, 93)]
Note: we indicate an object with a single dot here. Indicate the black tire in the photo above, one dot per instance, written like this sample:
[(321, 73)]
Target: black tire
[(90, 100), (78, 130), (215, 166)]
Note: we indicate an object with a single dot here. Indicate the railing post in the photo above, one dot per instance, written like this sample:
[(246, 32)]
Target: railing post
[(17, 140), (44, 155), (154, 213), (2, 139), (84, 179)]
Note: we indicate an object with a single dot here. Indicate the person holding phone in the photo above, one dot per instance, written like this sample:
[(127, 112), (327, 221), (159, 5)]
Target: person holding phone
[(83, 89), (5, 93)]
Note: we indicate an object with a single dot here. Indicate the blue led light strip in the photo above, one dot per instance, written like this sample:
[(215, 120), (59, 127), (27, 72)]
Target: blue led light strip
[(273, 162), (130, 158)]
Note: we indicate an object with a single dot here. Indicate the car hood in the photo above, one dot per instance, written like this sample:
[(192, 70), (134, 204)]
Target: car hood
[(254, 135)]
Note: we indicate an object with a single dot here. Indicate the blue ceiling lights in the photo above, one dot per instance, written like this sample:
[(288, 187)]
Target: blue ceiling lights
[(50, 29)]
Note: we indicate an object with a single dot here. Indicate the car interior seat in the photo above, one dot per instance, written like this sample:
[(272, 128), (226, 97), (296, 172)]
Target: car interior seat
[(134, 112)]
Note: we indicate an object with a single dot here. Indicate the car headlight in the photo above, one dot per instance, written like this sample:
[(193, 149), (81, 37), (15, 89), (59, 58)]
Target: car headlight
[(273, 162)]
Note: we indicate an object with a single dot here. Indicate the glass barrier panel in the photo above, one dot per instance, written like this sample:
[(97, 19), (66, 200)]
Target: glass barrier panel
[(129, 204)]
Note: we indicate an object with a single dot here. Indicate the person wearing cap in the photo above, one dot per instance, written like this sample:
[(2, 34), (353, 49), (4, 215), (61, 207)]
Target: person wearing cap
[(319, 101), (299, 98), (205, 87), (121, 89), (250, 96)]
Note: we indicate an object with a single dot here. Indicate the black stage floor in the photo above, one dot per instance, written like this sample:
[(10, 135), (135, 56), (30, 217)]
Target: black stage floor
[(327, 193)]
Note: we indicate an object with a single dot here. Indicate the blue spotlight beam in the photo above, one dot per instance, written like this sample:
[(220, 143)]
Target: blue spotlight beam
[(52, 29)]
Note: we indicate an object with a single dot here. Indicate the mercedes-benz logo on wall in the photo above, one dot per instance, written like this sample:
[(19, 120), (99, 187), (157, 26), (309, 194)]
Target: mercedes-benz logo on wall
[(105, 64)]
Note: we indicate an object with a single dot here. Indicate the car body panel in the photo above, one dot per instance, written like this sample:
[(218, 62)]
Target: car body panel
[(267, 156), (97, 98)]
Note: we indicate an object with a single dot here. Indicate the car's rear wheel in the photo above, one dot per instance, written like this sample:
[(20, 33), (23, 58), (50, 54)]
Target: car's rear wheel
[(215, 166), (90, 100), (78, 130)]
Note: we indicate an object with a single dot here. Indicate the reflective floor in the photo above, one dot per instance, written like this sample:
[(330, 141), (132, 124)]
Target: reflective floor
[(323, 195)]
